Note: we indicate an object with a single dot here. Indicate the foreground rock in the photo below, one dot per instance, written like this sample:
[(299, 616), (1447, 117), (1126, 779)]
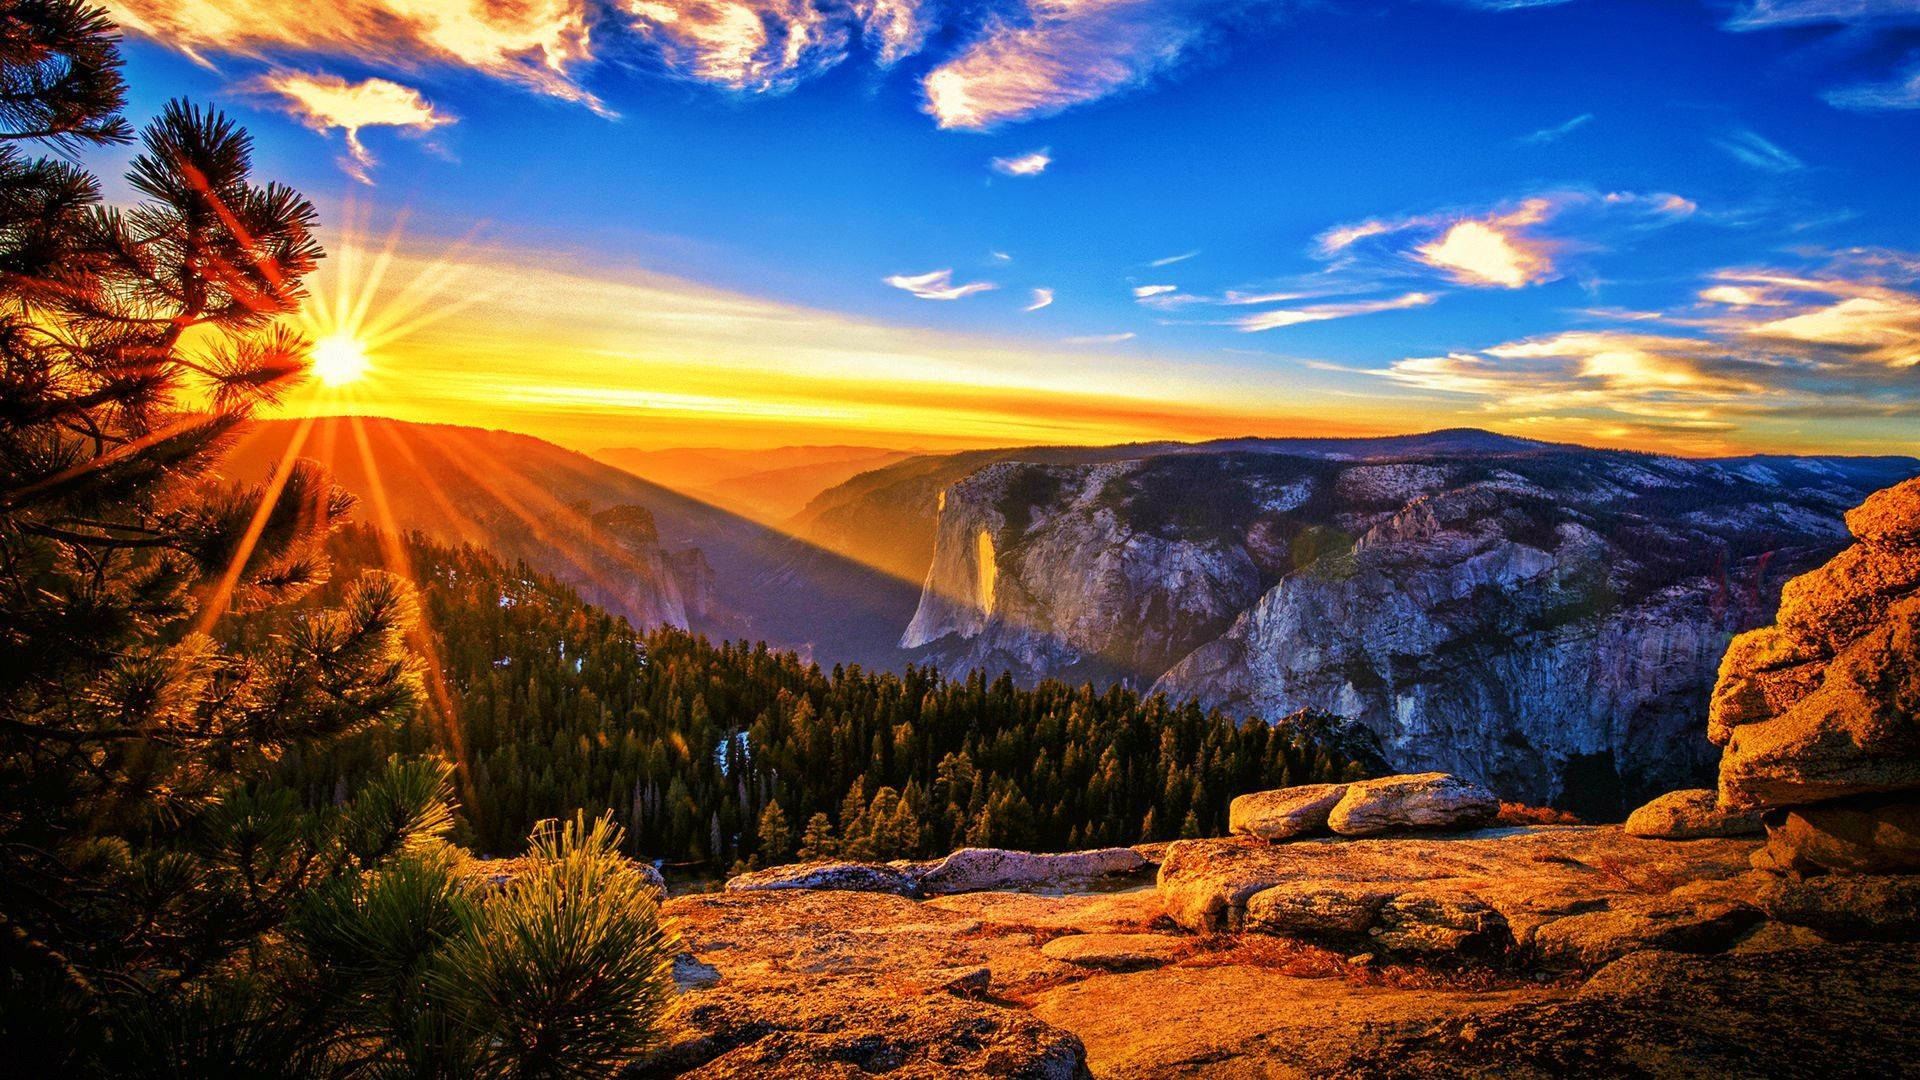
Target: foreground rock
[(1820, 713), (1421, 801), (1690, 815), (1527, 877), (806, 983), (1812, 1012)]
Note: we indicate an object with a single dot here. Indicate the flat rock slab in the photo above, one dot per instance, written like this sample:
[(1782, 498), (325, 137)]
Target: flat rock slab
[(1234, 1022), (1116, 952), (1832, 1010), (1284, 813), (1118, 912)]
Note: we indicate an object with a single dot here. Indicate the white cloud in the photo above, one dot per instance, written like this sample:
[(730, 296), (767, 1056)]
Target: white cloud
[(1061, 53), (539, 43), (1274, 320), (1141, 292), (1101, 339), (1041, 298), (1031, 163), (1171, 259), (937, 285), (327, 102)]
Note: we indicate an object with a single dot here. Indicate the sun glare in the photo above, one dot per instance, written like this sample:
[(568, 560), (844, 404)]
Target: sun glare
[(339, 359)]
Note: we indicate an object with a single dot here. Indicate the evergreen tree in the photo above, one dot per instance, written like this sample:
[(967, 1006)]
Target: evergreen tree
[(775, 835), (166, 908)]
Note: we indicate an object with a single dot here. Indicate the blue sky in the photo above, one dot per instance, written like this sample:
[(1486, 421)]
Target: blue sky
[(1666, 224)]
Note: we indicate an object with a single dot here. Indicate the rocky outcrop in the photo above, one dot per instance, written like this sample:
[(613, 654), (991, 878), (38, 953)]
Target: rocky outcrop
[(1545, 621), (990, 869), (1422, 801), (829, 876), (1689, 815), (1481, 892), (964, 871), (1820, 713)]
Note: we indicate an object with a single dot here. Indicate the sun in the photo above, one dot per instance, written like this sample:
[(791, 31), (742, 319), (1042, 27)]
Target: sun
[(339, 359)]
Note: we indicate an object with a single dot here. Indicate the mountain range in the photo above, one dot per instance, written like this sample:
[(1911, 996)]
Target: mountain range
[(1545, 618)]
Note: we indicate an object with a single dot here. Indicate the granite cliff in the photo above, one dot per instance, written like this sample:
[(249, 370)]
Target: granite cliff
[(1547, 620)]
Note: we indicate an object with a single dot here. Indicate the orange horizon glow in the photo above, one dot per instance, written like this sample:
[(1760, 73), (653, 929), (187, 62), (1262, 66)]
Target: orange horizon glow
[(602, 358)]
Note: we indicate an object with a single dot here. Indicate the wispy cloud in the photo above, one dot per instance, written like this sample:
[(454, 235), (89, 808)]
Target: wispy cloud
[(1274, 320), (1142, 292), (1899, 93), (328, 102), (1031, 163), (538, 43), (1766, 14), (1041, 298), (937, 285), (1171, 259), (1753, 149), (1558, 131), (1101, 339), (895, 29)]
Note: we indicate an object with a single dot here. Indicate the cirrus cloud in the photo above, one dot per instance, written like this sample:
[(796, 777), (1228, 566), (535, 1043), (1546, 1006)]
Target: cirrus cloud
[(1031, 163), (937, 285)]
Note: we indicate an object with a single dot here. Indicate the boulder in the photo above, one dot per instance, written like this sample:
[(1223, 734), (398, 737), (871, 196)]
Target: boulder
[(1440, 922), (1858, 734), (1867, 837), (1882, 907), (1689, 815), (1763, 674), (1889, 518), (836, 876), (995, 869), (1284, 813), (1115, 952), (1418, 801), (1318, 908), (1674, 924)]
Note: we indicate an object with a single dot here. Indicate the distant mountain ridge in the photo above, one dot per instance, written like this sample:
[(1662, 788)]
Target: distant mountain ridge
[(635, 547)]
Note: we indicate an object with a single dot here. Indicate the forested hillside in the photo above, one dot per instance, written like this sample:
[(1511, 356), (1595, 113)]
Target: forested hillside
[(713, 754)]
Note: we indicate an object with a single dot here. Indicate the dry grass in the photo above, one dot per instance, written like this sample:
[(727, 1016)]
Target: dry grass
[(1513, 813)]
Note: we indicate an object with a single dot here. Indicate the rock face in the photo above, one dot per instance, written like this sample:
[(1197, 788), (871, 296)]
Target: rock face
[(1283, 813), (1546, 621), (1820, 713), (1421, 801), (1689, 815)]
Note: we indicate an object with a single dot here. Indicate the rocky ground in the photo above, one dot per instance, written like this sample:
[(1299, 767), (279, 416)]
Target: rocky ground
[(1542, 951)]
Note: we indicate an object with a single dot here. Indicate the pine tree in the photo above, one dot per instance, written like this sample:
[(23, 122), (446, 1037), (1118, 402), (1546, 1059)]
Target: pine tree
[(817, 842), (776, 836)]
